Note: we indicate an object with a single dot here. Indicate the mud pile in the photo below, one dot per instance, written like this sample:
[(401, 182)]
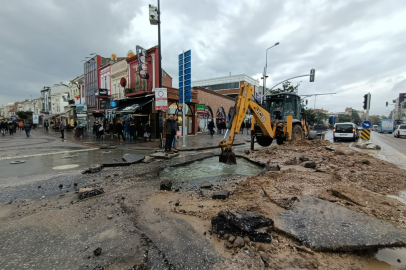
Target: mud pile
[(341, 175)]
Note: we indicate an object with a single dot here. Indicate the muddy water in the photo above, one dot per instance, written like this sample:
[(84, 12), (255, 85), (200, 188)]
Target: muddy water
[(389, 258), (401, 197), (210, 167)]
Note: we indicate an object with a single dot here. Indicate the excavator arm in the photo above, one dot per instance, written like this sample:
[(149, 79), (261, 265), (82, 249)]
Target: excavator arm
[(261, 116)]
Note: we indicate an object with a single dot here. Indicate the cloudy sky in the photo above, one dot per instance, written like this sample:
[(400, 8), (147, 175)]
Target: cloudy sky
[(355, 46)]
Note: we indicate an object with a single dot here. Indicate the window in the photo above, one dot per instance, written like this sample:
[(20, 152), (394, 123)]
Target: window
[(222, 86)]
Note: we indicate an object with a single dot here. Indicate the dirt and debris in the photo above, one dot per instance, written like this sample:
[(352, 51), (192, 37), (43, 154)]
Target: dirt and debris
[(341, 175)]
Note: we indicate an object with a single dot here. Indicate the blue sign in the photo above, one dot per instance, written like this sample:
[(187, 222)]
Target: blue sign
[(113, 104), (366, 124), (185, 76)]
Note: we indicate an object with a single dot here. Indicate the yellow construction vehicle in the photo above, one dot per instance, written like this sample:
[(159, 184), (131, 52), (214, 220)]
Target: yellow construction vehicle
[(286, 124)]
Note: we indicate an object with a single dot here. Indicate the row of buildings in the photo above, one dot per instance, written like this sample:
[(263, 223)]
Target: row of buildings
[(111, 89), (398, 113)]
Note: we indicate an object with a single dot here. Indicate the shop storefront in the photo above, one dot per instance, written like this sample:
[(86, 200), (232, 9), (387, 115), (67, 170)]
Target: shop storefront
[(137, 111), (176, 109)]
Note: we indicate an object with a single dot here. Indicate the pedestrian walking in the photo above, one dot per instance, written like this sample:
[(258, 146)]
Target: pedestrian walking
[(170, 131), (27, 128), (147, 132), (126, 129), (110, 129), (3, 127), (21, 125), (46, 125), (100, 131), (15, 125), (10, 127), (119, 129), (95, 128), (174, 149), (242, 127), (211, 128), (132, 131), (62, 129)]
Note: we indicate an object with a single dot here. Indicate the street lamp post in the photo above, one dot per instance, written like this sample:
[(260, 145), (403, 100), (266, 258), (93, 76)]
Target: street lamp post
[(266, 66), (155, 18)]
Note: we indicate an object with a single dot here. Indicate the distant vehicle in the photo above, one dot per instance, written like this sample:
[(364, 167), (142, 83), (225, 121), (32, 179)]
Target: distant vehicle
[(385, 125), (345, 131), (400, 131), (375, 127)]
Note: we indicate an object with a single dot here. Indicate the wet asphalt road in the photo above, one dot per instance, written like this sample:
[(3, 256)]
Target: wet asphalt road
[(393, 149)]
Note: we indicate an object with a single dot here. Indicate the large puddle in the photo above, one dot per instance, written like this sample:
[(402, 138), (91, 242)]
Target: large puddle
[(389, 258), (210, 167)]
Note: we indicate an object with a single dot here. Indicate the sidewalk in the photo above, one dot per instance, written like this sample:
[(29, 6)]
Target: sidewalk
[(193, 142)]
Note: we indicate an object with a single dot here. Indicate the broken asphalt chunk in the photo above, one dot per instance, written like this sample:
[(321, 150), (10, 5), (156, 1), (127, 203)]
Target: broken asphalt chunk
[(94, 169), (242, 223), (89, 192), (166, 184), (220, 195), (325, 226), (133, 158)]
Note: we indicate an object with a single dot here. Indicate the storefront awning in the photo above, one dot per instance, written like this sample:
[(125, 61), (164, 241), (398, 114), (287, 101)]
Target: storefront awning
[(131, 109)]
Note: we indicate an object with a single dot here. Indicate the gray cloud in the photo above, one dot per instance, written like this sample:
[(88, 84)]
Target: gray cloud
[(355, 46)]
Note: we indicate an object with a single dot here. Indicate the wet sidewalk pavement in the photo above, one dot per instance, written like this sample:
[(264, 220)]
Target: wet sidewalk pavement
[(200, 141)]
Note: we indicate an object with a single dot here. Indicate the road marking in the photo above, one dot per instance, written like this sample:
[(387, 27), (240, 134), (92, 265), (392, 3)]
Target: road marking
[(48, 154)]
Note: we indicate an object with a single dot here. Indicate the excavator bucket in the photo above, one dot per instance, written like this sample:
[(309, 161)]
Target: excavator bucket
[(228, 157)]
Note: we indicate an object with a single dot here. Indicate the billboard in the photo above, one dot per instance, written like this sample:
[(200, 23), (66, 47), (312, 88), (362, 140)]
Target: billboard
[(35, 118)]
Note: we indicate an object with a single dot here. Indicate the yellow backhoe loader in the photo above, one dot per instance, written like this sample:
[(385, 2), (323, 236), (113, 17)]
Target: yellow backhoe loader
[(286, 124)]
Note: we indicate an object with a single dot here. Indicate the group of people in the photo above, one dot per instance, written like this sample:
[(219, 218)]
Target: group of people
[(11, 127), (128, 130), (222, 125)]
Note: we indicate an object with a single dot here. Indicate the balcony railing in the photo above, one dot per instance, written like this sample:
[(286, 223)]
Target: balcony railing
[(118, 96), (142, 86)]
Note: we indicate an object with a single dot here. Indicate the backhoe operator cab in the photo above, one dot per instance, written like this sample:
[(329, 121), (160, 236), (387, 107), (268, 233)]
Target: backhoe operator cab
[(280, 106)]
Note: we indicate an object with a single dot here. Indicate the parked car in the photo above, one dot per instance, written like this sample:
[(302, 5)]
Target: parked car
[(345, 131), (400, 131)]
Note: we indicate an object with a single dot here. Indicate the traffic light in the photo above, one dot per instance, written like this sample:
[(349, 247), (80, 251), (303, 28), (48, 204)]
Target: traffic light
[(365, 102), (312, 74), (387, 104)]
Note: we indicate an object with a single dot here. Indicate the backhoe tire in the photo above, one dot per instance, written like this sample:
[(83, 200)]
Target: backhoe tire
[(264, 140), (279, 140), (297, 133)]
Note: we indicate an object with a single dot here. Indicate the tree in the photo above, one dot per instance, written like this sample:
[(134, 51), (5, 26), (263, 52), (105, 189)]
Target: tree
[(24, 115), (355, 117), (374, 119), (310, 116), (286, 88), (344, 118), (321, 117)]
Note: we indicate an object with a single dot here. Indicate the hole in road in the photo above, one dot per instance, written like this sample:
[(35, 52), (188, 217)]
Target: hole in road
[(210, 167)]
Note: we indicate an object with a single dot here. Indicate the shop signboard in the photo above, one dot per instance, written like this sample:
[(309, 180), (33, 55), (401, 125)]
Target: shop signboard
[(81, 110), (201, 107), (35, 118), (185, 76), (161, 99)]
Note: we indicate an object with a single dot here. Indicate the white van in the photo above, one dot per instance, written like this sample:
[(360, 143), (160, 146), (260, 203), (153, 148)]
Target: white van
[(345, 131)]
